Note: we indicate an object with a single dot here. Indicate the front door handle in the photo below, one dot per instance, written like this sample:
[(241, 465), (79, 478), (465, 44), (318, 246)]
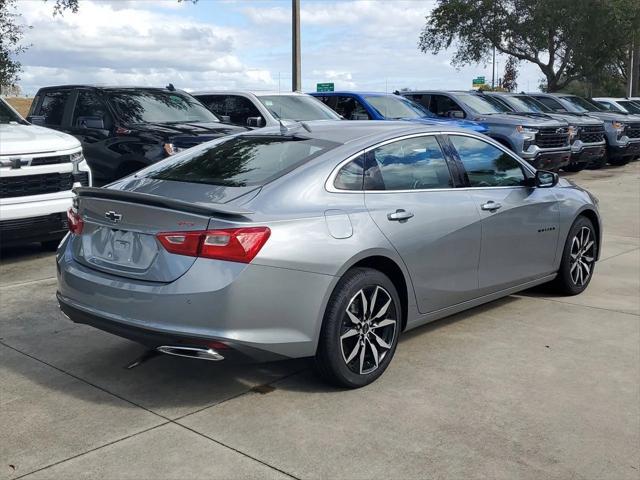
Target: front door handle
[(491, 206), (399, 215)]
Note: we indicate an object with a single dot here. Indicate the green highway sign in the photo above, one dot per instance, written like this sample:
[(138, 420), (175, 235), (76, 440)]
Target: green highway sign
[(324, 87), (478, 81)]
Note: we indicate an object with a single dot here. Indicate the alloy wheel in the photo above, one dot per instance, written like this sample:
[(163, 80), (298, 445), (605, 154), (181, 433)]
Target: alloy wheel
[(582, 256), (368, 329)]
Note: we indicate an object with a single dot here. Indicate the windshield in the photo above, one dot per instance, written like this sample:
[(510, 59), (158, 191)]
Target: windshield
[(392, 107), (297, 107), (629, 106), (582, 105), (158, 106), (242, 161), (7, 115), (484, 105), (526, 104)]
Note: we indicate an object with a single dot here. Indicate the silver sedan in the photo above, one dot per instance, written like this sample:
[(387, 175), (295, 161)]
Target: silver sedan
[(323, 240)]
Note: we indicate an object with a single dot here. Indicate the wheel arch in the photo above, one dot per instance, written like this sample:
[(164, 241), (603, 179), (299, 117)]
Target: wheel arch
[(392, 269), (595, 219)]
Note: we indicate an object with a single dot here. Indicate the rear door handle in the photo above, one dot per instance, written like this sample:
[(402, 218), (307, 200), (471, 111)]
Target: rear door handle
[(491, 206), (399, 214)]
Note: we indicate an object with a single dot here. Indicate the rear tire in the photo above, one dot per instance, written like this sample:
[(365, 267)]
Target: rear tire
[(360, 329), (578, 258)]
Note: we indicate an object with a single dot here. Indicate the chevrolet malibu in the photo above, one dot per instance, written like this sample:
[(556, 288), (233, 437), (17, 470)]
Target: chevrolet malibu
[(324, 240)]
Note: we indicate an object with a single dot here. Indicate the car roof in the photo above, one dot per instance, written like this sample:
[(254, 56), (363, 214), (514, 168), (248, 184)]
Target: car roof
[(353, 92), (109, 87), (343, 131), (257, 93)]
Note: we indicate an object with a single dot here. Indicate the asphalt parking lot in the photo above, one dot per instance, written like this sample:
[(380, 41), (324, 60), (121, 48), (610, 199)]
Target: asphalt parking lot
[(531, 386)]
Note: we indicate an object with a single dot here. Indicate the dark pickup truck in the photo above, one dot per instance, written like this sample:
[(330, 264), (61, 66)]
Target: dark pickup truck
[(124, 129)]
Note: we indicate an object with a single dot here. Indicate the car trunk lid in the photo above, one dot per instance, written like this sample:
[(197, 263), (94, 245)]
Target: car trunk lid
[(120, 228)]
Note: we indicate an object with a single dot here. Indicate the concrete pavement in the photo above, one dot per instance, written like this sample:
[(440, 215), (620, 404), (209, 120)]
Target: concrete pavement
[(530, 386)]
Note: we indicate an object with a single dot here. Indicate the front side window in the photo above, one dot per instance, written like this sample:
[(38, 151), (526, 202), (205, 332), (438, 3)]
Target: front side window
[(297, 107), (241, 161), (52, 107), (237, 108), (158, 106), (411, 164), (552, 103), (89, 106), (441, 105), (487, 165), (351, 109)]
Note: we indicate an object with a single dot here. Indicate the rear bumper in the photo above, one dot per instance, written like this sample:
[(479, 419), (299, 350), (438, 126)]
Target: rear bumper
[(251, 307), (234, 352)]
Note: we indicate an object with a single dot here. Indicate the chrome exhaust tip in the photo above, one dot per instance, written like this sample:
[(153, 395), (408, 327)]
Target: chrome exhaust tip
[(191, 352)]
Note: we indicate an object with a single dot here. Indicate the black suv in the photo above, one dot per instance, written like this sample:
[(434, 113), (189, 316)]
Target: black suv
[(124, 129)]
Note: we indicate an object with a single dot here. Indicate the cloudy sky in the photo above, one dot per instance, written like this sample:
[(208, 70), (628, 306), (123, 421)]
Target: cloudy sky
[(226, 44)]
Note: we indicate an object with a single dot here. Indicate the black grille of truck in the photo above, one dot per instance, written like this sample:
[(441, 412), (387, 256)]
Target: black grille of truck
[(35, 184), (632, 130), (591, 134), (50, 160), (555, 137)]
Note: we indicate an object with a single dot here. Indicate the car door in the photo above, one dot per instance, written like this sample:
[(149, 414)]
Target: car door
[(520, 223), (92, 124), (411, 195)]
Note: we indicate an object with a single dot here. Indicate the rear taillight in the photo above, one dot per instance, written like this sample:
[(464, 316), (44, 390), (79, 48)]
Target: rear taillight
[(75, 222), (232, 244)]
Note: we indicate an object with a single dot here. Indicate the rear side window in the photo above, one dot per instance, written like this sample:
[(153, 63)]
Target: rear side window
[(411, 164), (52, 107), (351, 176), (487, 165), (243, 161), (88, 107)]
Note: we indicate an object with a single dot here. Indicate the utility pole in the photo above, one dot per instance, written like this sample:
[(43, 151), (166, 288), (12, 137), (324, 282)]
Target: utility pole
[(493, 70), (296, 82)]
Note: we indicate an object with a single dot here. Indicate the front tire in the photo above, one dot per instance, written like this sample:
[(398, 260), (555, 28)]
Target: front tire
[(578, 258), (360, 329)]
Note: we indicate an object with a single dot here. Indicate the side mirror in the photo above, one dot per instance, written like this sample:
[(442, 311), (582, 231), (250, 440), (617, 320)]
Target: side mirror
[(455, 113), (546, 179), (255, 122), (92, 122), (225, 118), (37, 120)]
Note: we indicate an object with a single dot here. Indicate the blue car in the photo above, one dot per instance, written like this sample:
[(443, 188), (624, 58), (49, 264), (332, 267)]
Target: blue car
[(387, 106)]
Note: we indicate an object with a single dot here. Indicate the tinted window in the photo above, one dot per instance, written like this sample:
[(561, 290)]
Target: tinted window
[(631, 107), (158, 106), (89, 105), (583, 105), (350, 176), (351, 109), (486, 165), (411, 164), (551, 103), (236, 107), (527, 104), (52, 107), (297, 107), (241, 161), (441, 105)]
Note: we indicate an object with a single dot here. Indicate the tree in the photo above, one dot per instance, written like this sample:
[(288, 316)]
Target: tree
[(11, 33), (510, 75), (565, 39)]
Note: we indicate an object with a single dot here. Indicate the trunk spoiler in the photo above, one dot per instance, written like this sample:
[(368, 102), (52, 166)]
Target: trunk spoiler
[(162, 202)]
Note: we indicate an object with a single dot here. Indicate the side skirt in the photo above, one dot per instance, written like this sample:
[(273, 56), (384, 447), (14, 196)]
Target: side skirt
[(445, 312)]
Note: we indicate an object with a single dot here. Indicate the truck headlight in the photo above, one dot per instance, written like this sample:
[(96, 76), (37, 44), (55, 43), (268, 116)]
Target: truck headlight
[(171, 149), (76, 159), (527, 132)]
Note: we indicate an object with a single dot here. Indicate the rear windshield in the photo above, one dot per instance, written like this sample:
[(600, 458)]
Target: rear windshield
[(158, 106), (243, 161)]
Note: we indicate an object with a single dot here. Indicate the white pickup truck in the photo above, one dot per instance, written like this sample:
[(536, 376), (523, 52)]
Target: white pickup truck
[(38, 169)]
